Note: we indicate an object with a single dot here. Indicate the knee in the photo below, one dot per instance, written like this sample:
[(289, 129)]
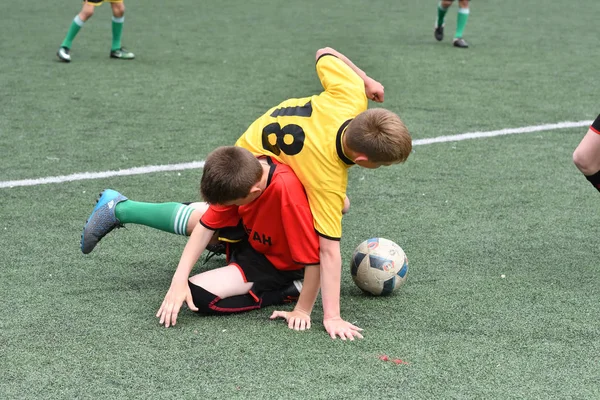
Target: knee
[(203, 299), (86, 13), (447, 3), (463, 3), (118, 9)]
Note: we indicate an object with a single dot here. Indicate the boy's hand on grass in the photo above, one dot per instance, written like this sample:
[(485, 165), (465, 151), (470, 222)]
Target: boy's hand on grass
[(338, 327), (374, 90), (297, 320), (169, 309)]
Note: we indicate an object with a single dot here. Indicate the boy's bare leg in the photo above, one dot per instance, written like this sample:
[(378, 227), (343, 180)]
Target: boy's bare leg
[(222, 282)]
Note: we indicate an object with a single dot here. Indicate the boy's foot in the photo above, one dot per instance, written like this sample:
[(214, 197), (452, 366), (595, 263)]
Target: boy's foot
[(122, 54), (439, 33), (64, 54), (215, 249), (292, 292), (460, 42), (102, 220)]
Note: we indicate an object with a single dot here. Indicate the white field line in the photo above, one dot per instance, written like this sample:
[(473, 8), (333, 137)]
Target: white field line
[(509, 131), (106, 174), (199, 164)]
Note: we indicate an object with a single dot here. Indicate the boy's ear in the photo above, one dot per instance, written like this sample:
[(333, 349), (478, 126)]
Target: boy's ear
[(255, 190), (360, 157)]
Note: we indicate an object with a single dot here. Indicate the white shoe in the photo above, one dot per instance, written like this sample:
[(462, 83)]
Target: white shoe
[(64, 54)]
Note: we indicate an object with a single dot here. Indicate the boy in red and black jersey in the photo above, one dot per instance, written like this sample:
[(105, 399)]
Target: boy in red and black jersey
[(277, 224), (260, 209)]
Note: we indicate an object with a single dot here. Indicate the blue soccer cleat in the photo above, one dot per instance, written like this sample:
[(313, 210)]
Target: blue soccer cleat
[(102, 220)]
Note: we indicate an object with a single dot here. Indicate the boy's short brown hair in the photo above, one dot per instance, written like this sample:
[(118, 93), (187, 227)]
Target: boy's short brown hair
[(229, 174), (380, 135)]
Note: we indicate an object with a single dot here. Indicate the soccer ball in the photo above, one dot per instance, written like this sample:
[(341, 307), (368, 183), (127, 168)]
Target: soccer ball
[(379, 266)]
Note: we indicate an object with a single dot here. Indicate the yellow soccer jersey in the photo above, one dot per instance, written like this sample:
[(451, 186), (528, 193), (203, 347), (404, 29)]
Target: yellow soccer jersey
[(306, 134)]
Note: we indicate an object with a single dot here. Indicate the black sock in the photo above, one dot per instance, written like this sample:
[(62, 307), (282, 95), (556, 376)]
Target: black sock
[(594, 180)]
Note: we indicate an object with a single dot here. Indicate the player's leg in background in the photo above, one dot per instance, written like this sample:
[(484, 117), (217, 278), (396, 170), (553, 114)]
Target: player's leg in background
[(442, 9), (86, 13), (587, 155), (461, 22), (118, 20)]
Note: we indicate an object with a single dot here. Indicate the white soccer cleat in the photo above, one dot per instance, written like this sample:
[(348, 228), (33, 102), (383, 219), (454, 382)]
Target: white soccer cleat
[(64, 54)]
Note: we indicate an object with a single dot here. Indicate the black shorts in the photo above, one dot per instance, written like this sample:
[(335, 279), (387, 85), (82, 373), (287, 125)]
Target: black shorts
[(256, 268)]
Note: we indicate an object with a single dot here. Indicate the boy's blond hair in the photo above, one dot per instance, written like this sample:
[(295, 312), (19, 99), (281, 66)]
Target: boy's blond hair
[(229, 174), (380, 135)]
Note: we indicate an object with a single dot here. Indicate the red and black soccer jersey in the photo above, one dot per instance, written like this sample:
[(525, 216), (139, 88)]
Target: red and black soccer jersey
[(279, 223)]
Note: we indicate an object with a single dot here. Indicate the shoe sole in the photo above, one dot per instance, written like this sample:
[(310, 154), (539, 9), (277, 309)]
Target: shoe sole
[(62, 59)]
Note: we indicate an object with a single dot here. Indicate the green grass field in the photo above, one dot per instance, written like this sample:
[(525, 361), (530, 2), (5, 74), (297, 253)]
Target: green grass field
[(466, 212)]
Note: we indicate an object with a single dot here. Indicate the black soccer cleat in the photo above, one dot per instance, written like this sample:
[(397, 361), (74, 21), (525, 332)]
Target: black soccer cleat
[(460, 42), (216, 249), (122, 54), (292, 292), (438, 33)]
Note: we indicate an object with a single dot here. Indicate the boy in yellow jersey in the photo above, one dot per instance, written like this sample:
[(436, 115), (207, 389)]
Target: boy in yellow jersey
[(322, 136), (118, 19)]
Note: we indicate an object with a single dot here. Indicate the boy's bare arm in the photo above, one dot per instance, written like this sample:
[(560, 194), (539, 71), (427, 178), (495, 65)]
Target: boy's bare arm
[(331, 276), (373, 89), (179, 291)]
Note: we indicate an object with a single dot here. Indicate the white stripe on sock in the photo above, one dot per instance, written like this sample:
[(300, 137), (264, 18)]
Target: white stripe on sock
[(180, 210), (119, 20), (463, 11), (78, 20), (184, 220)]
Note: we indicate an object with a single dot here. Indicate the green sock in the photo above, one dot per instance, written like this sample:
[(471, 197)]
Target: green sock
[(117, 32), (73, 30), (461, 22), (441, 14), (168, 217)]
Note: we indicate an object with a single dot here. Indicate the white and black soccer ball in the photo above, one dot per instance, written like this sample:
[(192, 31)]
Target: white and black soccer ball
[(379, 266)]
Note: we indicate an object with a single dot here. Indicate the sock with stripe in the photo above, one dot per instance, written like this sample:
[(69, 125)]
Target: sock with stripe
[(117, 32), (441, 11), (168, 217), (461, 22), (73, 30)]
